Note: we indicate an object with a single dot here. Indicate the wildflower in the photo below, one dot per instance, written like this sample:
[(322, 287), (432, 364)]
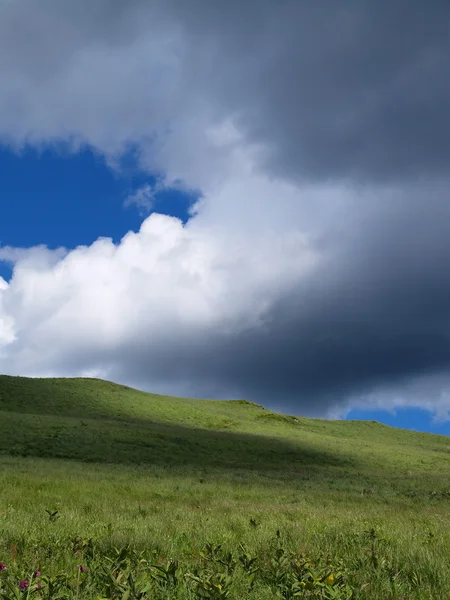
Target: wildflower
[(3, 567), (37, 573), (39, 586), (82, 568), (23, 584)]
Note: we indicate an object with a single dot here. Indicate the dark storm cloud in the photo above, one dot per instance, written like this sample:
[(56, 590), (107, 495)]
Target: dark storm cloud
[(376, 315), (354, 89)]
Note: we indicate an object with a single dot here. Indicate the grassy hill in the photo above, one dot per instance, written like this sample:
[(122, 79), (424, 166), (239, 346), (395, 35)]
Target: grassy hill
[(122, 466), (98, 421)]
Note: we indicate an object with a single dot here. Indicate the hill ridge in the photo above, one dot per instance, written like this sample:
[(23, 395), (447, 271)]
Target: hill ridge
[(93, 420)]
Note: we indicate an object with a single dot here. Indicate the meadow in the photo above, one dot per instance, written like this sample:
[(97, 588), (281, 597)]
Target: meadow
[(107, 492)]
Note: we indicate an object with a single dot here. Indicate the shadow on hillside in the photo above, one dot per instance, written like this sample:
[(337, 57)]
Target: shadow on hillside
[(142, 442)]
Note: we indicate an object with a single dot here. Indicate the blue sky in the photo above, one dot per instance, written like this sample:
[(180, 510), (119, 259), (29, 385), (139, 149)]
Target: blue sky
[(408, 418), (59, 198)]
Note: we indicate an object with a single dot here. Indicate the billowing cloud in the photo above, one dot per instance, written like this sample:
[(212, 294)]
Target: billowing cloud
[(313, 272), (163, 289)]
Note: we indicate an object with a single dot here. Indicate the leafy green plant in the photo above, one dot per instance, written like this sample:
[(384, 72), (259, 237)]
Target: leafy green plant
[(166, 575), (249, 563), (213, 586)]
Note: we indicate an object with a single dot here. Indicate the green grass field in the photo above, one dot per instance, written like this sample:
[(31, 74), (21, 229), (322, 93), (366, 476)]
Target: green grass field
[(137, 481)]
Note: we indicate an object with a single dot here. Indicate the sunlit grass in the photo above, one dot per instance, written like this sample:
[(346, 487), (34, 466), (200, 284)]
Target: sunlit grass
[(373, 497)]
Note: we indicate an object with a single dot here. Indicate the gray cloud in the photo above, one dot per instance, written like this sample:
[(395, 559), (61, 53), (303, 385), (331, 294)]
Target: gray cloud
[(343, 90), (355, 89), (351, 98), (373, 317)]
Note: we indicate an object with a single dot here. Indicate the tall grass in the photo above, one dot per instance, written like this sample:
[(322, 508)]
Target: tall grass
[(83, 460)]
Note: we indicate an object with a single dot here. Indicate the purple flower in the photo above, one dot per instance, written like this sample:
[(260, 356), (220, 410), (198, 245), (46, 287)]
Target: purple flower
[(82, 568), (24, 584), (37, 573), (39, 586), (3, 567)]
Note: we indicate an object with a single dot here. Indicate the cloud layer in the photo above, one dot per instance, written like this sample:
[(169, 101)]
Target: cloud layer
[(313, 274)]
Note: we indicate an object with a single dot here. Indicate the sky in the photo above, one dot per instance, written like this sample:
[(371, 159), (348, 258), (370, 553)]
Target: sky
[(230, 200)]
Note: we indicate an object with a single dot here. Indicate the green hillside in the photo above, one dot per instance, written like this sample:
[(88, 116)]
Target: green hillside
[(98, 421), (172, 477)]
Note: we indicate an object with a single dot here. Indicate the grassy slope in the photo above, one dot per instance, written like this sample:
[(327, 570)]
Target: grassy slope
[(176, 472), (98, 421)]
